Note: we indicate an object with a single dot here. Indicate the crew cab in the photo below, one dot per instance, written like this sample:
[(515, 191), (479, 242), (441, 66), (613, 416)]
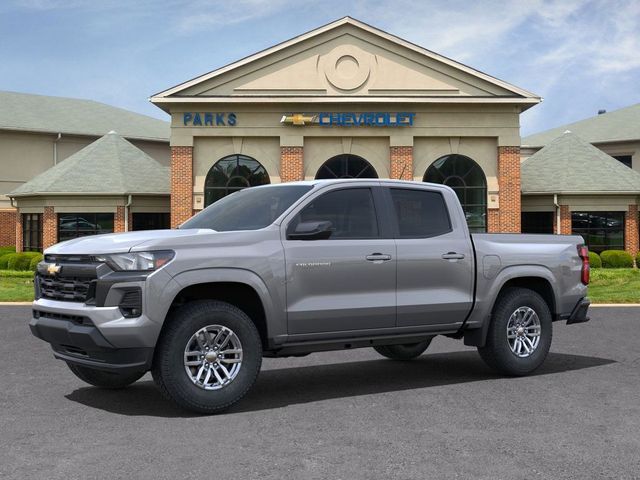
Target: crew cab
[(289, 269)]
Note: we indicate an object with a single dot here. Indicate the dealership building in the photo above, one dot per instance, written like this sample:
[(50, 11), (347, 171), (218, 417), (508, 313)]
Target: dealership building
[(345, 100)]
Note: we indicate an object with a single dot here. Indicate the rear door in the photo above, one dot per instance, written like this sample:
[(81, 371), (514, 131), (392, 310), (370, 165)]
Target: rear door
[(434, 258), (346, 282)]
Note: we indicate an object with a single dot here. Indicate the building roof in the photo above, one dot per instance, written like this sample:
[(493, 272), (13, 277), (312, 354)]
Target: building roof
[(74, 116), (570, 164), (109, 166), (509, 92), (616, 126)]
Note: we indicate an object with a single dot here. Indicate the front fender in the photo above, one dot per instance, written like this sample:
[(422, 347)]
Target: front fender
[(273, 309)]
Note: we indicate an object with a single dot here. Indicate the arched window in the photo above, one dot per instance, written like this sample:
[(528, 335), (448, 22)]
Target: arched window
[(232, 173), (346, 166), (468, 181)]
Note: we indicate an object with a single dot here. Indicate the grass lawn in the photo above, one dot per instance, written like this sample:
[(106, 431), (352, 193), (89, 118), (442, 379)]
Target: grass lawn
[(16, 286), (620, 285), (615, 285)]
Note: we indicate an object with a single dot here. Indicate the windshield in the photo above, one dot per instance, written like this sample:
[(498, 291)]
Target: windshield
[(247, 209)]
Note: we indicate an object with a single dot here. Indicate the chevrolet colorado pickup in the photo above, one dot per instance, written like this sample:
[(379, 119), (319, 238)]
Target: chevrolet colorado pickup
[(294, 268)]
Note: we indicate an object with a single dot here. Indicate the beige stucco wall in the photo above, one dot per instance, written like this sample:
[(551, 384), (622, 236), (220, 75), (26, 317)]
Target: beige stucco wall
[(24, 155), (579, 203), (263, 120), (93, 204)]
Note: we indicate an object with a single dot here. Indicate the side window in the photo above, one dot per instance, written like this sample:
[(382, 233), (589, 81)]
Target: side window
[(420, 213), (351, 212)]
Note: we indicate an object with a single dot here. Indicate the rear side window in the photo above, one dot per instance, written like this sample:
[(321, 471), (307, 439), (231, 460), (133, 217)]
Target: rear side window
[(420, 213), (351, 212)]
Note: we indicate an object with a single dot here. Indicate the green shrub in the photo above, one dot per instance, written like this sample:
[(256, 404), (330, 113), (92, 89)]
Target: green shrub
[(5, 250), (616, 259), (22, 261), (35, 260), (637, 260), (594, 260), (4, 261)]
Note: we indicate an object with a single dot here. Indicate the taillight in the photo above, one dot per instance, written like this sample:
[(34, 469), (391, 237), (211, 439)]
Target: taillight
[(583, 253)]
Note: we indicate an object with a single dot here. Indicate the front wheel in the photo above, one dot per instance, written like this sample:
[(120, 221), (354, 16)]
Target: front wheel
[(104, 379), (520, 333), (208, 356), (403, 352)]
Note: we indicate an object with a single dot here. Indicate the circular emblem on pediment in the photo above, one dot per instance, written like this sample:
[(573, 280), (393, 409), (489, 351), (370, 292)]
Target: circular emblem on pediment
[(347, 67)]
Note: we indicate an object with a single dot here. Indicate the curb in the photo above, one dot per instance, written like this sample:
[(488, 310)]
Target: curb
[(614, 305), (14, 304)]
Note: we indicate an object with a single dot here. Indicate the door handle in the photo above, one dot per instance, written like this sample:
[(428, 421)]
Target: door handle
[(452, 256), (378, 257)]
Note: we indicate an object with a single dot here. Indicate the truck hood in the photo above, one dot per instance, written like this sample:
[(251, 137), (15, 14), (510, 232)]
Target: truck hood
[(123, 242)]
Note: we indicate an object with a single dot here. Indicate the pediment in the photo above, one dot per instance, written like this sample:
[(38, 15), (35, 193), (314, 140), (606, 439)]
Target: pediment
[(346, 58)]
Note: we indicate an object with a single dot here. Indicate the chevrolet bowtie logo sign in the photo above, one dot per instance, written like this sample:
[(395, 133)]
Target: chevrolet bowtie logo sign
[(350, 119), (52, 269)]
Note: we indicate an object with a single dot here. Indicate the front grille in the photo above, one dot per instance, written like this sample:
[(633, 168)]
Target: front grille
[(77, 319), (66, 289)]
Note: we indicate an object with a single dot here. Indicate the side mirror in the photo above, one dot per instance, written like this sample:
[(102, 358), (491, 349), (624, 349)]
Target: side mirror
[(311, 231)]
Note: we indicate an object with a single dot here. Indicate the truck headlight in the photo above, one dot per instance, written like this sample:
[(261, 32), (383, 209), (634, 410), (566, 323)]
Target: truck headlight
[(137, 261)]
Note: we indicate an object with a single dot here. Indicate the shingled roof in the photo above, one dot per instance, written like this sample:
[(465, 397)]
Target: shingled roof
[(616, 126), (570, 164), (74, 116), (110, 165)]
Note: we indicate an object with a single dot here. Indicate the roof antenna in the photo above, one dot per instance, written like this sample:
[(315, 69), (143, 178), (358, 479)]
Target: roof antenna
[(404, 167)]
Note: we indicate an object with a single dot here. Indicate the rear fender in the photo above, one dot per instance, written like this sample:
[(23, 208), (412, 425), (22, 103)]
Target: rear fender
[(488, 292)]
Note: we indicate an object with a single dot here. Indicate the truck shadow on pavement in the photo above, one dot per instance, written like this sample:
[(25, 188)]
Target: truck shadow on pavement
[(277, 388)]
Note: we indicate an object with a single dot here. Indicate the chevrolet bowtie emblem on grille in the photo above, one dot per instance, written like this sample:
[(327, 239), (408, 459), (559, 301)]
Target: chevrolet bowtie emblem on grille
[(52, 269)]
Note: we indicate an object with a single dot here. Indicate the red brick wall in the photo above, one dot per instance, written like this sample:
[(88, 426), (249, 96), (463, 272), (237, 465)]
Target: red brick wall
[(401, 159), (631, 241), (181, 184), (118, 220), (49, 228), (493, 220), (565, 220), (509, 185), (291, 164), (8, 219)]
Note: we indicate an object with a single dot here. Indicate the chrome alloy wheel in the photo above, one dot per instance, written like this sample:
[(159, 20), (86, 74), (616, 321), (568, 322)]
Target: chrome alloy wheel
[(213, 357), (523, 332)]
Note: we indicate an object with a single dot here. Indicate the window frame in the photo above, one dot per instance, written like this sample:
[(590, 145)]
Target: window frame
[(393, 216), (379, 207), (238, 157), (83, 215), (586, 232), (25, 229)]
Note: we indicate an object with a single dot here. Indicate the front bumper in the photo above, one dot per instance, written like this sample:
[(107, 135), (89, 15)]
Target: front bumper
[(579, 313), (97, 337)]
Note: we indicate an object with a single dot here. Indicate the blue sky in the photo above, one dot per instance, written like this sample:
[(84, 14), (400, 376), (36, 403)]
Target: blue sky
[(579, 55)]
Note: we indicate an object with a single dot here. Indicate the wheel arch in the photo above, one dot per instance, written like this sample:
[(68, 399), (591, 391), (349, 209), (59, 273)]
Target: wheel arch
[(536, 278), (241, 288)]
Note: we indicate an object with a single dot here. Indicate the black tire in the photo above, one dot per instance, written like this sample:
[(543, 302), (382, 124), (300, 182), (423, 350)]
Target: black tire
[(404, 352), (497, 352), (168, 368), (104, 379)]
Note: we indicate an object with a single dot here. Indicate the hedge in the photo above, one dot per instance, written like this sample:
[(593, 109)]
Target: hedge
[(637, 260), (616, 259), (594, 260), (4, 260), (20, 261), (5, 250)]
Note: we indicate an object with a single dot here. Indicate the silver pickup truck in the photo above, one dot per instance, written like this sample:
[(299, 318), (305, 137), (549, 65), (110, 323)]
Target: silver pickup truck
[(290, 269)]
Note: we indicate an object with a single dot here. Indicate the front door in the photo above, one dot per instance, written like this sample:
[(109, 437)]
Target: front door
[(435, 260), (346, 282)]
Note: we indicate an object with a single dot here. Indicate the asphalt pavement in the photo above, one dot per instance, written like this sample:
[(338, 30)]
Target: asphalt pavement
[(339, 415)]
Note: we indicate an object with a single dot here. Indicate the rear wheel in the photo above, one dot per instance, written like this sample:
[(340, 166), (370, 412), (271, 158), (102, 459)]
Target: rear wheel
[(208, 356), (102, 378), (520, 333), (407, 351)]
